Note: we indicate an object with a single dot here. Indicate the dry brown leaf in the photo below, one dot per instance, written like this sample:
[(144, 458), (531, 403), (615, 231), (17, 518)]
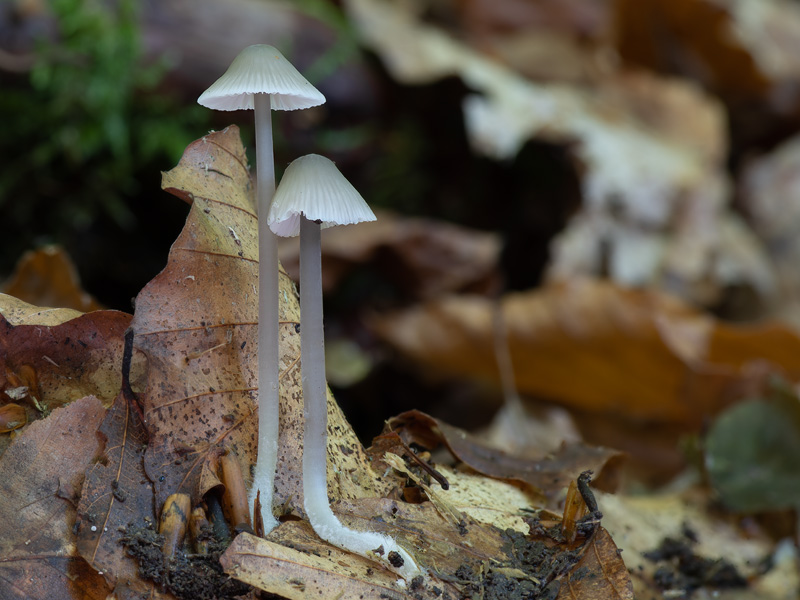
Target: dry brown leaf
[(597, 347), (48, 277), (50, 357), (549, 474), (600, 556), (41, 475), (422, 257), (196, 323), (116, 494)]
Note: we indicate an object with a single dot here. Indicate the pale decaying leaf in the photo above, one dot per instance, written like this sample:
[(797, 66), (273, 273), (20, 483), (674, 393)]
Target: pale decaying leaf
[(314, 571), (638, 525), (490, 501), (18, 312), (652, 152), (40, 481), (675, 261), (770, 195), (196, 323), (590, 345)]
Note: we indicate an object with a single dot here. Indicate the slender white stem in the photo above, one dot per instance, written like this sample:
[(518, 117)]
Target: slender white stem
[(315, 416), (268, 356)]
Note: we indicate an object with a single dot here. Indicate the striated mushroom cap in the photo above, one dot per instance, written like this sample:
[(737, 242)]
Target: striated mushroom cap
[(261, 69), (314, 187)]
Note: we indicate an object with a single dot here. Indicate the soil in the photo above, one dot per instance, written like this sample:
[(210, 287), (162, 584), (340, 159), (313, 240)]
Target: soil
[(187, 576), (681, 571), (536, 563), (533, 567)]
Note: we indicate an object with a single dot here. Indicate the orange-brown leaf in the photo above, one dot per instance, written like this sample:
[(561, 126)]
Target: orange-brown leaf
[(48, 277), (600, 573), (12, 416), (594, 346)]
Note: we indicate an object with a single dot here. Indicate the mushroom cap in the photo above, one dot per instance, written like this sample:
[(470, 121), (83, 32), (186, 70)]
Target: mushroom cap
[(314, 187), (261, 69)]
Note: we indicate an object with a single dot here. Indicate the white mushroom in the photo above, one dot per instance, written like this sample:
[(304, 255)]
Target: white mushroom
[(314, 194), (261, 78)]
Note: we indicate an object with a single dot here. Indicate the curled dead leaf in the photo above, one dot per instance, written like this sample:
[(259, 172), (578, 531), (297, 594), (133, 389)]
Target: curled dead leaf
[(548, 475)]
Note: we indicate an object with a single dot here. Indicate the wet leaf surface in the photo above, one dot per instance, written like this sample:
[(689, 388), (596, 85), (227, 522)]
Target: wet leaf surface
[(41, 475)]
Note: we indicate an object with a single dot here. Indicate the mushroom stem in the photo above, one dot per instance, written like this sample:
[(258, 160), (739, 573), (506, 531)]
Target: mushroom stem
[(315, 416), (268, 356)]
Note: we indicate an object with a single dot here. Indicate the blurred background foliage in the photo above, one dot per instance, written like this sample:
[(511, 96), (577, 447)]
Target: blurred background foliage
[(99, 97), (86, 136), (99, 109)]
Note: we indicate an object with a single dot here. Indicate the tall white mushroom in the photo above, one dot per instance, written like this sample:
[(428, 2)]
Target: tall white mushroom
[(261, 78), (313, 194)]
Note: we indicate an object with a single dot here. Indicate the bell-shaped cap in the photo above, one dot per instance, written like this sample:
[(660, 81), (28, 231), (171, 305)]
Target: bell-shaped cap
[(261, 69), (314, 187)]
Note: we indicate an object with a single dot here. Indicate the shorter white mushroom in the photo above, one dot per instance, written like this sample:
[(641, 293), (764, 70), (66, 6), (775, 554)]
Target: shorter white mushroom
[(314, 194)]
